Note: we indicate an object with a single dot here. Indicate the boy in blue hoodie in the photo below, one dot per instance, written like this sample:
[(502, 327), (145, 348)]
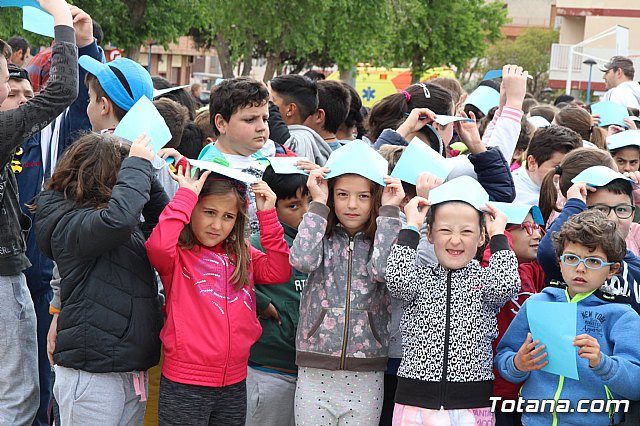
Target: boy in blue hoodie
[(590, 249)]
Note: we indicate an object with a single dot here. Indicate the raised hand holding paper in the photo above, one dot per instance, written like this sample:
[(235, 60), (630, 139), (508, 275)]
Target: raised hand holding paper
[(417, 158), (143, 117), (554, 324)]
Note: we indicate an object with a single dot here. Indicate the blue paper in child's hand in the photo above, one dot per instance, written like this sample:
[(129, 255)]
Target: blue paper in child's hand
[(143, 117), (490, 75), (418, 158), (37, 21), (611, 113), (20, 3), (287, 165), (554, 324)]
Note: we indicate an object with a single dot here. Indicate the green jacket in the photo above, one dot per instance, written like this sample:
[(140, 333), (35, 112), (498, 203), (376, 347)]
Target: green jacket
[(277, 345)]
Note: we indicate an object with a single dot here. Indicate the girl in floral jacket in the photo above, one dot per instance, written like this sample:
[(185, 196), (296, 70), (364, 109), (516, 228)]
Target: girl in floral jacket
[(342, 340)]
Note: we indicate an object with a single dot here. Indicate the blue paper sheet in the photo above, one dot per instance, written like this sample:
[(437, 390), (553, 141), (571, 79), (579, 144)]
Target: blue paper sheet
[(286, 165), (538, 121), (463, 188), (484, 98), (143, 117), (359, 158), (516, 213), (555, 325), (598, 176), (418, 158), (37, 21), (490, 75), (611, 113), (443, 120), (622, 139), (20, 3)]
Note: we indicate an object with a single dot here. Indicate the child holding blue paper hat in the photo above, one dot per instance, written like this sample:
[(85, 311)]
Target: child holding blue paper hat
[(601, 188), (450, 306), (343, 243), (272, 374), (590, 249), (625, 150), (108, 328), (208, 270), (525, 229)]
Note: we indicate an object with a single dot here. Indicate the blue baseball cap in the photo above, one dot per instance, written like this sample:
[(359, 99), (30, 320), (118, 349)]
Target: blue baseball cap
[(123, 80)]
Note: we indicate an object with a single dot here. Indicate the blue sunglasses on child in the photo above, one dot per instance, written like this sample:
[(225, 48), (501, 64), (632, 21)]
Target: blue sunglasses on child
[(590, 262)]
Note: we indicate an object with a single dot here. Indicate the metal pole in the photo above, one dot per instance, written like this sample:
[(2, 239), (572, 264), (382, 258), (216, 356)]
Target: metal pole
[(589, 85), (149, 58), (569, 71)]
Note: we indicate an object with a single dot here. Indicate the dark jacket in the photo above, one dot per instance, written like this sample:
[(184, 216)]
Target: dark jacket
[(36, 168), (110, 317), (18, 124), (491, 168)]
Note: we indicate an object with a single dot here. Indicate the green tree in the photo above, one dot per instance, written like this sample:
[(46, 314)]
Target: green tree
[(434, 33), (531, 50)]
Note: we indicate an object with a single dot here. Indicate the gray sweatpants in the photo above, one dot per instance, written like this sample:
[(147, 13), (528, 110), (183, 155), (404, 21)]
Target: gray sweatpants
[(105, 399), (270, 398), (19, 383), (338, 398)]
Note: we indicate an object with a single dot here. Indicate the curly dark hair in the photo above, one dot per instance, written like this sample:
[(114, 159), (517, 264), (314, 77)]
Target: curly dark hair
[(233, 94), (592, 229)]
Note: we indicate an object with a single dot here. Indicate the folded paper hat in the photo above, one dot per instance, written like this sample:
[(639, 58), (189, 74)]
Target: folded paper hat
[(538, 121), (599, 176), (516, 213), (484, 98), (622, 139), (418, 158), (611, 113), (123, 80), (463, 188), (286, 165), (144, 117), (359, 158), (224, 171)]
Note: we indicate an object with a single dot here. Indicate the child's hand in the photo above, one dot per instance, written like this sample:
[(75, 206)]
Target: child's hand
[(306, 165), (265, 197), (59, 9), (579, 190), (527, 358), (425, 183), (184, 179), (459, 106), (318, 185), (141, 148), (595, 119), (417, 119), (613, 129), (631, 123), (589, 349), (165, 153), (514, 79), (83, 25), (416, 211), (271, 312), (495, 220), (469, 134), (52, 335), (393, 193)]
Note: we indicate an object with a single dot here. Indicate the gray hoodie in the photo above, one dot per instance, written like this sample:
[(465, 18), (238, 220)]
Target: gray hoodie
[(305, 142)]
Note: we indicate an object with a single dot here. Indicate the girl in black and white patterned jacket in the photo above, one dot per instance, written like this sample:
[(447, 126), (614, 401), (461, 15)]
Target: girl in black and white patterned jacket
[(450, 308)]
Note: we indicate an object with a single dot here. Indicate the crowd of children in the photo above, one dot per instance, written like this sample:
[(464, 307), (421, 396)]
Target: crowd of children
[(300, 265)]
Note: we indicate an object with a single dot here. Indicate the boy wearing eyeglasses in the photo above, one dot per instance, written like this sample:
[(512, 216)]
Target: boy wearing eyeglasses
[(590, 249)]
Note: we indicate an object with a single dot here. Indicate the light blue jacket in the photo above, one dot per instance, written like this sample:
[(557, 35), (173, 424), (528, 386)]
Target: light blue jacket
[(615, 324)]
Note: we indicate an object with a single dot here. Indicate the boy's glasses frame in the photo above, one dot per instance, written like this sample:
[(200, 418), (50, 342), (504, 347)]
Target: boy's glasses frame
[(575, 260), (602, 207), (530, 227)]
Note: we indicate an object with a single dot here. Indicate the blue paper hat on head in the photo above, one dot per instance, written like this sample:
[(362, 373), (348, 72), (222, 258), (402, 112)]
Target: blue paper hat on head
[(463, 188), (611, 113), (123, 80), (599, 176), (517, 213), (538, 121), (484, 98), (418, 158), (623, 139), (359, 158)]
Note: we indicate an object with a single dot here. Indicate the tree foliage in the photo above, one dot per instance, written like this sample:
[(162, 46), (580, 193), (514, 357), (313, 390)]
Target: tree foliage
[(531, 50)]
